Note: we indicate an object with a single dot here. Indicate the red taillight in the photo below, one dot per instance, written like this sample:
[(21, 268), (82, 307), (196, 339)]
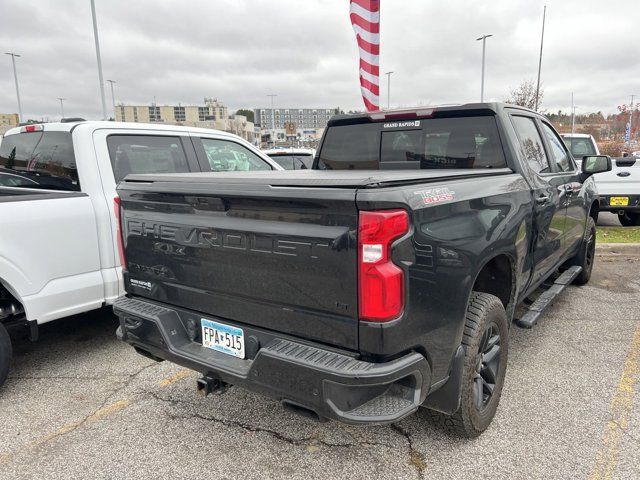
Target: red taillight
[(381, 282), (117, 211), (32, 128)]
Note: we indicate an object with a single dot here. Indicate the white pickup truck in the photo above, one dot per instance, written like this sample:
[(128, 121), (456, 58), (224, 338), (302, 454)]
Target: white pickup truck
[(58, 226), (619, 189)]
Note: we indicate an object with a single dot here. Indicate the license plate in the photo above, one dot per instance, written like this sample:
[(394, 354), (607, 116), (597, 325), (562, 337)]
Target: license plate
[(223, 338), (619, 201)]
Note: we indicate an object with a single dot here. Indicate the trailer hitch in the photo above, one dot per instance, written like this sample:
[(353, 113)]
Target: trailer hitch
[(207, 385)]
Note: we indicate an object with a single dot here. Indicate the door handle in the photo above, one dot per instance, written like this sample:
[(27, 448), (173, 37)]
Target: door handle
[(542, 199)]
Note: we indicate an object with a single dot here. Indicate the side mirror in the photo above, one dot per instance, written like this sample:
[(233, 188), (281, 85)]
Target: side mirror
[(596, 164)]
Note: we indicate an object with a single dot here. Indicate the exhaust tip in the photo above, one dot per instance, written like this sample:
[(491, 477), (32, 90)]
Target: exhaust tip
[(302, 410)]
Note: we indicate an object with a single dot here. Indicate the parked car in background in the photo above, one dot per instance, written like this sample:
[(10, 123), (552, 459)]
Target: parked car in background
[(619, 190), (580, 144), (58, 242), (292, 158), (384, 280)]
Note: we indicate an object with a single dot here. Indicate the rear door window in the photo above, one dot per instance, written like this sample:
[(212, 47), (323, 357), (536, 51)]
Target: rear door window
[(531, 145), (427, 143), (39, 160), (228, 156), (146, 154)]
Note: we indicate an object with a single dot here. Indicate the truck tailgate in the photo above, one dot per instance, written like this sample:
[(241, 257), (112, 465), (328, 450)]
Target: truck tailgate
[(281, 258)]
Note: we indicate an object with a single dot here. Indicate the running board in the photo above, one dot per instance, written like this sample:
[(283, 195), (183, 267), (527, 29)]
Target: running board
[(545, 300)]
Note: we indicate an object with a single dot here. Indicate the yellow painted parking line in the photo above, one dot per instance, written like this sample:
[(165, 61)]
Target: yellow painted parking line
[(95, 416), (109, 409), (174, 378), (621, 405)]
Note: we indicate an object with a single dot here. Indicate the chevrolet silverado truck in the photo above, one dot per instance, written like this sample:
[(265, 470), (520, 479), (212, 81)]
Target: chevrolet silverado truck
[(383, 280), (58, 248)]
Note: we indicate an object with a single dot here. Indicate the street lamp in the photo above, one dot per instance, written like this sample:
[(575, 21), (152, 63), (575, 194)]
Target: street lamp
[(544, 17), (273, 119), (113, 99), (573, 116), (484, 42), (388, 74), (97, 41), (61, 106), (15, 77), (631, 119)]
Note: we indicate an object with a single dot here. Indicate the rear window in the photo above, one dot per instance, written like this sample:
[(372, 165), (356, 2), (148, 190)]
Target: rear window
[(431, 143), (39, 160), (146, 154), (293, 161), (580, 147), (227, 156)]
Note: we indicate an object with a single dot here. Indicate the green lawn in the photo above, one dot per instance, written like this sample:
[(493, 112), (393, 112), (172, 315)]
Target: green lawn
[(618, 234)]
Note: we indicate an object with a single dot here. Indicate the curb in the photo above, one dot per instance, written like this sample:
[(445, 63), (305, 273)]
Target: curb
[(618, 249)]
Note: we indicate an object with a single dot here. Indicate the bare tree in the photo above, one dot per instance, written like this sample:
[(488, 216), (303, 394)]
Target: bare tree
[(525, 95)]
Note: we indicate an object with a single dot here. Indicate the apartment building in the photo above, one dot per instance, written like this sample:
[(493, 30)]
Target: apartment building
[(212, 114), (301, 118), (7, 121), (211, 110)]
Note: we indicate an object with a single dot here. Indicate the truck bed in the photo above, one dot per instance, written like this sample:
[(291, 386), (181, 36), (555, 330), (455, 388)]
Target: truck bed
[(273, 250)]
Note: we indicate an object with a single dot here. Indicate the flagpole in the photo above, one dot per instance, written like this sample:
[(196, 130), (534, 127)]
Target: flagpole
[(544, 16)]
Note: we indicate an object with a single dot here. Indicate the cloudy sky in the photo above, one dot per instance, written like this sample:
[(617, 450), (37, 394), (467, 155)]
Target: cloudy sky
[(305, 52)]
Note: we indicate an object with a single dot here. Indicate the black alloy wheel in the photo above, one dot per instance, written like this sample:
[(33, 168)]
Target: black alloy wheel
[(487, 366)]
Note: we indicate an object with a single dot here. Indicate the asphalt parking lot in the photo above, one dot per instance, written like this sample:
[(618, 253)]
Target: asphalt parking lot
[(79, 404)]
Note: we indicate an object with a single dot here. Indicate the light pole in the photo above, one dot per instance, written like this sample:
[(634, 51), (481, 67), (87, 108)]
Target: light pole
[(61, 106), (630, 120), (273, 119), (113, 99), (388, 74), (100, 78), (544, 16), (15, 77), (573, 116), (484, 42)]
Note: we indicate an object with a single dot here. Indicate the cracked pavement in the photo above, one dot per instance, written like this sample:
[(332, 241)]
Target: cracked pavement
[(80, 404)]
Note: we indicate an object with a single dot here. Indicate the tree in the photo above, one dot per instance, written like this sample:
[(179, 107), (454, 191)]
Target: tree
[(246, 113), (525, 95)]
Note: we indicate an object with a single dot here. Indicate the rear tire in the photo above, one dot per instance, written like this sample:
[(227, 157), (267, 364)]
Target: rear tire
[(5, 354), (629, 219), (586, 257), (486, 344)]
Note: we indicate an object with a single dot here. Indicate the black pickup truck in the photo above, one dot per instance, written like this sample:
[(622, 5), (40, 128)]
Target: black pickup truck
[(382, 280)]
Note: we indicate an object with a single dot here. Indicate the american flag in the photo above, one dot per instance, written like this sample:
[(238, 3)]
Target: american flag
[(365, 19)]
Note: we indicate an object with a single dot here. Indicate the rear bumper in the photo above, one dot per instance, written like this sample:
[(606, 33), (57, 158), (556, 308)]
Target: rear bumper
[(331, 384), (633, 204)]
